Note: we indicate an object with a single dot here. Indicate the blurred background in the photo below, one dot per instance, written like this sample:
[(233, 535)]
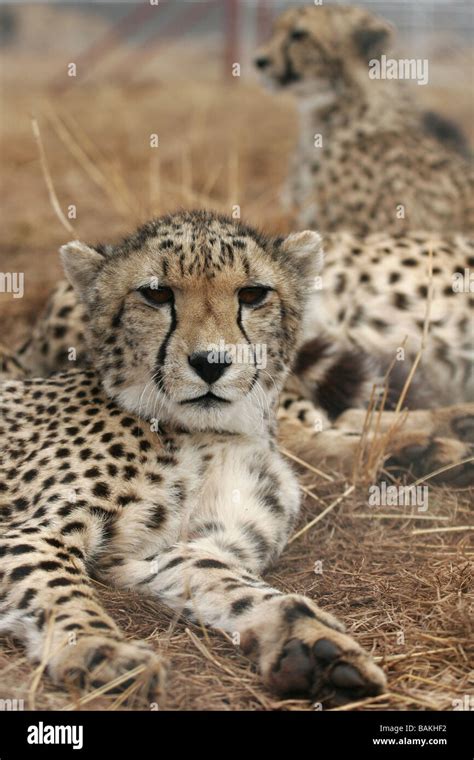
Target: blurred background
[(100, 79)]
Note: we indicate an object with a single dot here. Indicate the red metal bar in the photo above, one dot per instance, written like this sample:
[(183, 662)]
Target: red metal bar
[(264, 21), (232, 47), (180, 25)]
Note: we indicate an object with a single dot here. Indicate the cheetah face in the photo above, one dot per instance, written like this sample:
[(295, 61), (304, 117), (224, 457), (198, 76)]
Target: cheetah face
[(320, 51), (195, 319)]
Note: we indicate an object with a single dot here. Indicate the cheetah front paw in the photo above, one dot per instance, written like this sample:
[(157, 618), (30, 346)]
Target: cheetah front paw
[(100, 661), (326, 666), (303, 652)]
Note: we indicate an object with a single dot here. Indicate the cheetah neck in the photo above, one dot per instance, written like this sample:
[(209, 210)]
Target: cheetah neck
[(368, 109)]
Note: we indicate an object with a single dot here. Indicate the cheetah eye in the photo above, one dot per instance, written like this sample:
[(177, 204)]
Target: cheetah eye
[(298, 34), (253, 296), (157, 296)]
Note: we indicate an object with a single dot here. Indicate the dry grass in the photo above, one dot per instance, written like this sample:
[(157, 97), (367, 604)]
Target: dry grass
[(399, 579), (401, 590)]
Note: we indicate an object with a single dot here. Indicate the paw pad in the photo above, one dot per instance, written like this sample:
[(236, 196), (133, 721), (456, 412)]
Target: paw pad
[(326, 650), (346, 677)]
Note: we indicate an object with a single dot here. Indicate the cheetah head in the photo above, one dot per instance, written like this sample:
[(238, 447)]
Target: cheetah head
[(319, 52), (195, 319)]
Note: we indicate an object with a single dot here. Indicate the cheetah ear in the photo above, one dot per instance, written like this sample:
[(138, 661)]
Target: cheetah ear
[(373, 39), (81, 265), (306, 249)]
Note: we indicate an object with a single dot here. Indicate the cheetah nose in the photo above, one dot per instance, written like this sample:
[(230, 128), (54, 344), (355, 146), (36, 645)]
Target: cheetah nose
[(207, 366), (262, 62)]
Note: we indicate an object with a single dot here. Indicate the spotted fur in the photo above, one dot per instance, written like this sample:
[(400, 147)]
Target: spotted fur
[(366, 330)]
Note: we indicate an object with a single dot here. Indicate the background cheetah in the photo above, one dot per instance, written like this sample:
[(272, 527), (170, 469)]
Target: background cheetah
[(369, 159), (158, 469)]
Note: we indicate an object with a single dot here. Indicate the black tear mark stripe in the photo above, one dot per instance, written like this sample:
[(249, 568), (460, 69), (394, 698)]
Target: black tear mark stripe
[(242, 330), (117, 318), (253, 381), (287, 75), (160, 359), (240, 325)]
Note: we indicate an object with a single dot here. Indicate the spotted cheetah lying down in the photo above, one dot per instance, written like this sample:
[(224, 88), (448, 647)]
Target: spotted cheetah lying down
[(157, 469), (365, 320), (368, 159)]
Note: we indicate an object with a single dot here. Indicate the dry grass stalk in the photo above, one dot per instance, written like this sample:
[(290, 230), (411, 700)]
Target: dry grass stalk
[(48, 180)]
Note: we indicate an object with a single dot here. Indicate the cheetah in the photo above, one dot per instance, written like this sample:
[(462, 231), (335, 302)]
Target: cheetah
[(368, 158), (156, 468), (387, 305), (365, 320)]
